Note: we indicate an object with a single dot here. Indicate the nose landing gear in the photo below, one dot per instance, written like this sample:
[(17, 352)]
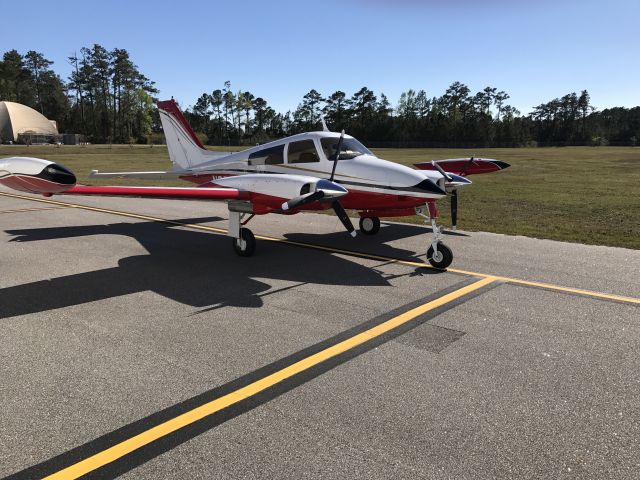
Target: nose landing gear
[(438, 254)]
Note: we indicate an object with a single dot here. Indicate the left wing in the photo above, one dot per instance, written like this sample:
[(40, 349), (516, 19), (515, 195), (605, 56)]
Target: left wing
[(266, 193), (257, 193), (203, 193), (34, 175)]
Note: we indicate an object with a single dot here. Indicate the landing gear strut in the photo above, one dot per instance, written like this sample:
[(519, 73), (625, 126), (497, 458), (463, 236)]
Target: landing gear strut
[(438, 254), (244, 242), (369, 225)]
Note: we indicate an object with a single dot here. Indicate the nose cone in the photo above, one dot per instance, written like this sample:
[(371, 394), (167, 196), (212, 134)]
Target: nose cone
[(331, 189), (458, 181)]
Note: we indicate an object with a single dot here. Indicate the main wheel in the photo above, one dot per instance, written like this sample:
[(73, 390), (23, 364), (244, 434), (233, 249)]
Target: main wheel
[(369, 225), (246, 244), (442, 258)]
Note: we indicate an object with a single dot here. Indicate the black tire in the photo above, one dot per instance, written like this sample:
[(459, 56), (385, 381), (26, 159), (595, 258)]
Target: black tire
[(445, 256), (369, 225), (249, 243)]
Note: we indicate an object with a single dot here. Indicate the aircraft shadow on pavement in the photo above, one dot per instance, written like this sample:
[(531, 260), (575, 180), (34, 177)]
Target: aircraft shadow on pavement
[(374, 244), (402, 230), (190, 267)]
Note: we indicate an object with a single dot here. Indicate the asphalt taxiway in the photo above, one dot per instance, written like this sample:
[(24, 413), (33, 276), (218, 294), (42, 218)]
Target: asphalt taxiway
[(136, 344)]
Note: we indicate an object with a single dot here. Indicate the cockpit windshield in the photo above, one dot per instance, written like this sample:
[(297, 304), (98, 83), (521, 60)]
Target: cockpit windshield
[(350, 148)]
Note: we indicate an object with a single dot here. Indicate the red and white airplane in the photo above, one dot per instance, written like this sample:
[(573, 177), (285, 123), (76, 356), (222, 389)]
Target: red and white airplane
[(308, 171)]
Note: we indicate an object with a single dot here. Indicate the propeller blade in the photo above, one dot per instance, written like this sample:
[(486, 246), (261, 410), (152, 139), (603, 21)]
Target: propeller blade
[(344, 218), (298, 202), (468, 165), (441, 170), (454, 209), (335, 161)]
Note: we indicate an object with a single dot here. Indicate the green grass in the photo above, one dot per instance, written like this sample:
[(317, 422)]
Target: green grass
[(577, 194)]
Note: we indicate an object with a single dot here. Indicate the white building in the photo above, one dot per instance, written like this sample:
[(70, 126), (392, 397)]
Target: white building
[(17, 119)]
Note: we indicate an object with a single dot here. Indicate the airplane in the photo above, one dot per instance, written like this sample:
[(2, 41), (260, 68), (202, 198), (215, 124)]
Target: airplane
[(308, 171)]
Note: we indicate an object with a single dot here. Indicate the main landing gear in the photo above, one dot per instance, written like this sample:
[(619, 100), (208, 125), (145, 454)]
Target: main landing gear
[(369, 225), (438, 254), (244, 242)]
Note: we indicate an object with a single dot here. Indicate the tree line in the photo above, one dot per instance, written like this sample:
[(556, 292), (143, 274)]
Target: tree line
[(107, 99), (458, 118)]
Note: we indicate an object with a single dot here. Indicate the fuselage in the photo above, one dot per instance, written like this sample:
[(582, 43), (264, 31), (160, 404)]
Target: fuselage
[(373, 183)]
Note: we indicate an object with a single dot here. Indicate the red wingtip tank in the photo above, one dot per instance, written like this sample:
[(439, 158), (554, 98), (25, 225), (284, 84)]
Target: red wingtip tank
[(35, 175)]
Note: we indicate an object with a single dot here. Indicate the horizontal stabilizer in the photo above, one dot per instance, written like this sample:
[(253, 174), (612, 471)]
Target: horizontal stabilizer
[(140, 175)]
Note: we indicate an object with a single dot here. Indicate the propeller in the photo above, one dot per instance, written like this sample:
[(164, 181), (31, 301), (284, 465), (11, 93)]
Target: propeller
[(454, 209), (468, 165), (326, 189), (454, 195), (335, 160), (344, 218), (441, 170), (337, 206), (303, 200)]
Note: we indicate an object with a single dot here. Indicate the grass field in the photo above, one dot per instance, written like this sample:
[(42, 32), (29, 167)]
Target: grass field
[(577, 194)]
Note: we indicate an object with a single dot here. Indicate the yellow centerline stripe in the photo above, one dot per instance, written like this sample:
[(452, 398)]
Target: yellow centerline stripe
[(577, 291), (516, 281), (131, 444), (21, 210)]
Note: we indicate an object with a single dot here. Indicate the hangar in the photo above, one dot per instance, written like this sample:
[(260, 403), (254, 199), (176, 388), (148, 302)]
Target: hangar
[(19, 123)]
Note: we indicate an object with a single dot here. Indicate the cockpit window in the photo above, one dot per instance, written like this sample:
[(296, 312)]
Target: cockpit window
[(267, 156), (303, 151), (350, 148)]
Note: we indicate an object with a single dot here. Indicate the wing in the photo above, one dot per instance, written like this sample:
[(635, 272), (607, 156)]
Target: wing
[(466, 166), (194, 193), (35, 175), (265, 193)]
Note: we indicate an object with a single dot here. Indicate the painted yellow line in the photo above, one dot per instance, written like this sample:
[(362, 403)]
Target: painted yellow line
[(127, 446), (21, 210), (516, 281), (577, 291)]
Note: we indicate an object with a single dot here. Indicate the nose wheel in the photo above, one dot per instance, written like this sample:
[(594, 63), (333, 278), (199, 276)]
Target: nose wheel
[(440, 257), (438, 254)]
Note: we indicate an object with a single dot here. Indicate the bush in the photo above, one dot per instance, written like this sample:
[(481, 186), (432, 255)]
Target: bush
[(598, 141)]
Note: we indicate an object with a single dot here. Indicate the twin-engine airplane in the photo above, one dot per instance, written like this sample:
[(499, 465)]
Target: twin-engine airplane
[(308, 171)]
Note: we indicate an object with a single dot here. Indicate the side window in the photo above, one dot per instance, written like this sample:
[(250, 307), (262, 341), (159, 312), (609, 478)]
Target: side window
[(267, 156), (303, 151)]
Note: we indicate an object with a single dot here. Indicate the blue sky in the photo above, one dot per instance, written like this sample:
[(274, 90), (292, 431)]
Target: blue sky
[(534, 50)]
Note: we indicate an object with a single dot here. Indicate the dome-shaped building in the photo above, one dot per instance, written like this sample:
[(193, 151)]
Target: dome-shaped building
[(17, 120)]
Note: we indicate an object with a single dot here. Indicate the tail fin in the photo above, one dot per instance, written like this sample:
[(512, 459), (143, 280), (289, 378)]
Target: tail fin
[(185, 148)]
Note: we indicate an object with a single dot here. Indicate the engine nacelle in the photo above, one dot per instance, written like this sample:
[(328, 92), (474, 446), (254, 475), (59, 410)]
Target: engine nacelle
[(35, 175), (278, 186)]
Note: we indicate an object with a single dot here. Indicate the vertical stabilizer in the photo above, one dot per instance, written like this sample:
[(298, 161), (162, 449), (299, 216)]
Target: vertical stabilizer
[(185, 148)]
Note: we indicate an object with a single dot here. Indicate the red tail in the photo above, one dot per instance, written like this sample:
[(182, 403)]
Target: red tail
[(171, 107)]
